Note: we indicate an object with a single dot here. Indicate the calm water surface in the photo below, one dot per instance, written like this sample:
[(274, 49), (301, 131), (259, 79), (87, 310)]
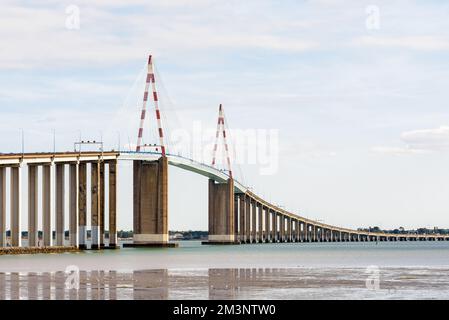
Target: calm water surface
[(401, 270)]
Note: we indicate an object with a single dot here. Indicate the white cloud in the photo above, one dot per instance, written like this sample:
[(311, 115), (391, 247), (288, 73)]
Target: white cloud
[(37, 38), (428, 139), (397, 151), (419, 142), (428, 43)]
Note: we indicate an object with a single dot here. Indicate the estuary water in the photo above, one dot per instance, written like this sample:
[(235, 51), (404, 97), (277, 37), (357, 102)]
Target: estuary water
[(387, 270)]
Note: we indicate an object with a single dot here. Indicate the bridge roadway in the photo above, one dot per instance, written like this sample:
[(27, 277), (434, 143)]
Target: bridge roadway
[(239, 216)]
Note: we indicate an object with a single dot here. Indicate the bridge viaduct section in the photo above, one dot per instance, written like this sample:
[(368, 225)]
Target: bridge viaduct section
[(51, 170), (235, 216)]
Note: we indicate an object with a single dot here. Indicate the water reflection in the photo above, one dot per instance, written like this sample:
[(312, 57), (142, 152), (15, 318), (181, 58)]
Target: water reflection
[(261, 283)]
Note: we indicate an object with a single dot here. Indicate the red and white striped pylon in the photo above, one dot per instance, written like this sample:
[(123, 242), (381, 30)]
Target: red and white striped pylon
[(150, 80), (221, 128)]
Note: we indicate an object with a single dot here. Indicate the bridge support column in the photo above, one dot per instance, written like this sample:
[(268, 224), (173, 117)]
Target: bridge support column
[(289, 229), (95, 204), (305, 232), (113, 204), (253, 222), (236, 218), (82, 205), (274, 227), (32, 205), (151, 204), (297, 231), (242, 214), (260, 237), (282, 227), (267, 224), (101, 212), (46, 205), (2, 207), (60, 195), (221, 213), (248, 219), (73, 204), (16, 234)]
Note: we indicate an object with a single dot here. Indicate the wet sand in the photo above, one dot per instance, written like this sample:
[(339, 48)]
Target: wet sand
[(263, 283)]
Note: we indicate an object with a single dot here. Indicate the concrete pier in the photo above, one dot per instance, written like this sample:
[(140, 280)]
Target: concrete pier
[(73, 204), (95, 204), (221, 213), (253, 222), (15, 206), (260, 236), (32, 205), (236, 218), (101, 213), (289, 229), (60, 203), (2, 207), (242, 218), (113, 204), (46, 205), (282, 225), (82, 205), (248, 219), (151, 203), (273, 226), (266, 212)]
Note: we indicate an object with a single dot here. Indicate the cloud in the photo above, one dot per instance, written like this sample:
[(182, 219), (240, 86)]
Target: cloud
[(397, 151), (426, 43), (37, 37), (419, 142), (428, 139)]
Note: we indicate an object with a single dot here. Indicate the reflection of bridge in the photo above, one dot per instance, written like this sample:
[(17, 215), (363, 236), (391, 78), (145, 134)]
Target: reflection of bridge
[(236, 215)]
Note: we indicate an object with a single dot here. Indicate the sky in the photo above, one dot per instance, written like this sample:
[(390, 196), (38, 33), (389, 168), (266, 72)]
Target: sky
[(337, 109)]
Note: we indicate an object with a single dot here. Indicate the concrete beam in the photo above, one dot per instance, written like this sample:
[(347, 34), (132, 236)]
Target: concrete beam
[(32, 205)]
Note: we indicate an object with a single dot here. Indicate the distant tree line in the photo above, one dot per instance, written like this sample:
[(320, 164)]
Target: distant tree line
[(401, 230)]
